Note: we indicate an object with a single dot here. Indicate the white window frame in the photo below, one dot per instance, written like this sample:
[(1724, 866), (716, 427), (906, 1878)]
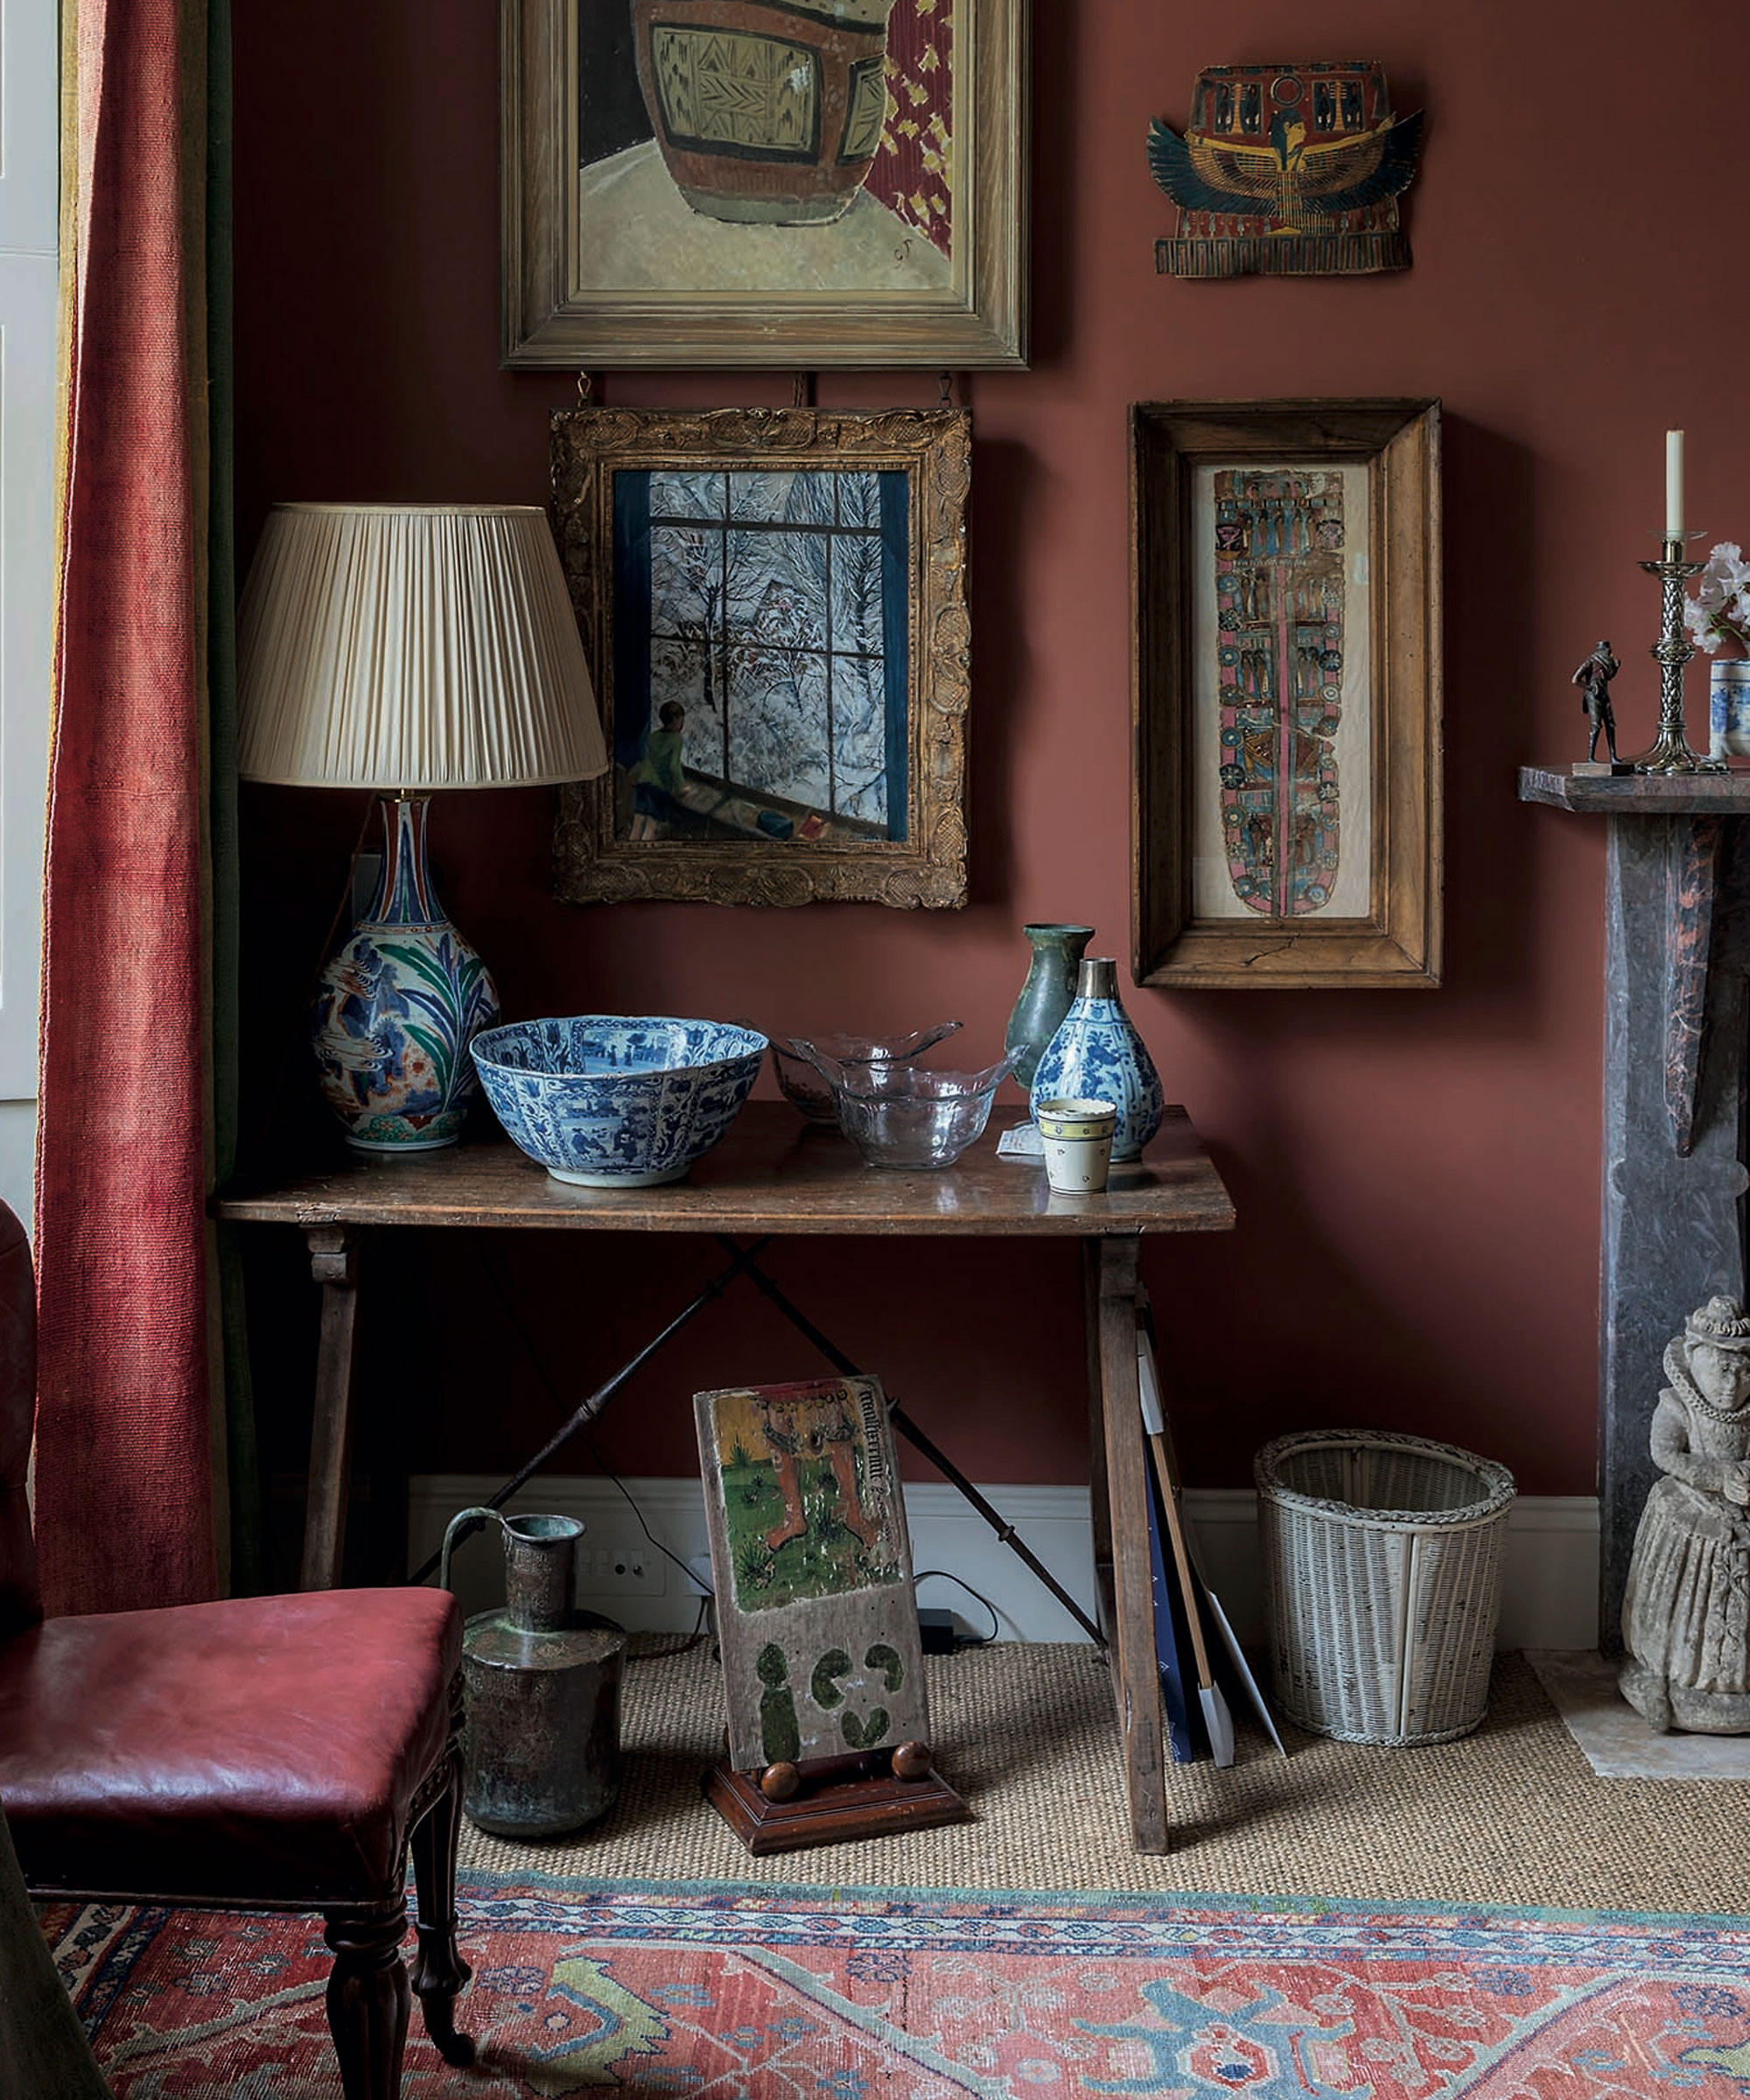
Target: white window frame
[(29, 419)]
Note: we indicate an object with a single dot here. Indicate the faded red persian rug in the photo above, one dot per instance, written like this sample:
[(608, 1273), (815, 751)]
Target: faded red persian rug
[(808, 1993)]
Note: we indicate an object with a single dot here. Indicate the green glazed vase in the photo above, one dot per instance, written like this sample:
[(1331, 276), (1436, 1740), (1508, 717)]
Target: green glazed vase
[(1046, 995)]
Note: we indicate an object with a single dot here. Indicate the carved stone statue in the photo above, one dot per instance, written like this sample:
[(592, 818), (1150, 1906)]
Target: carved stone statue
[(1686, 1608)]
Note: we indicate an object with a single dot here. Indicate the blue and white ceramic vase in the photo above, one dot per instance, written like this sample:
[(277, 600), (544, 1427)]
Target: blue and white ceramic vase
[(1097, 1055), (1728, 708), (397, 1004)]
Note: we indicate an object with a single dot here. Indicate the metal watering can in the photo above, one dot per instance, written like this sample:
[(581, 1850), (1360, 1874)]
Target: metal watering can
[(539, 1688)]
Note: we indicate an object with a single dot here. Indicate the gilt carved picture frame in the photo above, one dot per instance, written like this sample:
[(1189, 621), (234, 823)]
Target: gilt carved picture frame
[(774, 605), (1285, 572), (810, 182)]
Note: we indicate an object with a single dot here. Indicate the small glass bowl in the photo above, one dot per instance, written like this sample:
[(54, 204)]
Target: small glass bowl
[(897, 1116), (806, 1085)]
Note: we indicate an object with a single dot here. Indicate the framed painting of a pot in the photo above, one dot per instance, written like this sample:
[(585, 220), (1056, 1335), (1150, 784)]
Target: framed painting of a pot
[(1285, 572), (811, 183), (774, 605)]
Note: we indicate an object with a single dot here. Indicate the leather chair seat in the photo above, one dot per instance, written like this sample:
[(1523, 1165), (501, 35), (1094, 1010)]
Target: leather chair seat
[(256, 1754), (258, 1751)]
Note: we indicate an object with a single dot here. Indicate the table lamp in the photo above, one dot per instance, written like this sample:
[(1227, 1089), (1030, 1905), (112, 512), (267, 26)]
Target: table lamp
[(408, 648)]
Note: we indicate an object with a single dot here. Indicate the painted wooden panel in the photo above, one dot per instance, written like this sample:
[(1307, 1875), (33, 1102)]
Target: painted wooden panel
[(817, 1617), (1280, 591)]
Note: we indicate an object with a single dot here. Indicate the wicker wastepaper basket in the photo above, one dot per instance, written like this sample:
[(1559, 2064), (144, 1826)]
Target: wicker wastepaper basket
[(1382, 1559)]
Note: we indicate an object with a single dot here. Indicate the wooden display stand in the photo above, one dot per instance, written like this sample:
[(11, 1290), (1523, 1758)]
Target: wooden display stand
[(817, 1617), (829, 1799)]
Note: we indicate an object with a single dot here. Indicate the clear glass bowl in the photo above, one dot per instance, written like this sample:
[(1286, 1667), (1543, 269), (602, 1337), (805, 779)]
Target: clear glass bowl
[(897, 1116), (805, 1083)]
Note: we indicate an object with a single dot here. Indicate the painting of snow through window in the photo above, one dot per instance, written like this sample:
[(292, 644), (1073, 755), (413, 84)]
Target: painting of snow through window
[(774, 605)]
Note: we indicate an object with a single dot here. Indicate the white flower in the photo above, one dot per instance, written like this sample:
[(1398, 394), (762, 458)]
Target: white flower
[(1720, 609)]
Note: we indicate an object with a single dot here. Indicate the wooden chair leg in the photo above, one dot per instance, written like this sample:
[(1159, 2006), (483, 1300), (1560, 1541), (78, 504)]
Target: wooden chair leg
[(440, 1972), (368, 1998)]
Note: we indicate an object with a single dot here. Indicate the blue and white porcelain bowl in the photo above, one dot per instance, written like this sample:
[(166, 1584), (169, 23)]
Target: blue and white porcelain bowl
[(613, 1100)]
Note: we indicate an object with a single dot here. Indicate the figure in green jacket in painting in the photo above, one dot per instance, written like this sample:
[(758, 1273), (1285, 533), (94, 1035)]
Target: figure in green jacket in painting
[(657, 779)]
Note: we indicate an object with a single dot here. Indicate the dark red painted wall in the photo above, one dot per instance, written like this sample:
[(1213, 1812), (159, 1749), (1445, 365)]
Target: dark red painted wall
[(1417, 1172)]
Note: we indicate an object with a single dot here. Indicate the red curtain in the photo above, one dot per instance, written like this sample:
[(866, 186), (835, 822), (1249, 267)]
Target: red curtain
[(124, 1442)]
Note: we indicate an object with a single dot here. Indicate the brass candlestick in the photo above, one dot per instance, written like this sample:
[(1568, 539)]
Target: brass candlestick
[(1670, 751)]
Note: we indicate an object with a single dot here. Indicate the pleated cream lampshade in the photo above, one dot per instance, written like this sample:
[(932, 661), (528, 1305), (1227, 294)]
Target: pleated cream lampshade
[(412, 645), (408, 648)]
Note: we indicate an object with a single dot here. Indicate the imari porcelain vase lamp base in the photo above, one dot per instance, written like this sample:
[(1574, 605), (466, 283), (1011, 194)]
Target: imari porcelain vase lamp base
[(408, 648), (397, 1004)]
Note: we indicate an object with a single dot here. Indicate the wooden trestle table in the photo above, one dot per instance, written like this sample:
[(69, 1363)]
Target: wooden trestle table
[(772, 1175)]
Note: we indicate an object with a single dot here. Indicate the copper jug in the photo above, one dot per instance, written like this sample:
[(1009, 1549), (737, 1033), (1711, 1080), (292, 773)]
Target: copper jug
[(539, 1688)]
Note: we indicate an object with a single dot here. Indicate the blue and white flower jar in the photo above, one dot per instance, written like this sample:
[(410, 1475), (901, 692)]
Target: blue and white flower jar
[(1728, 708), (1097, 1055)]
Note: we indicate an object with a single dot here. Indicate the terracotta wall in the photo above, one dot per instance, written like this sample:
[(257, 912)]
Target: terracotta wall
[(1417, 1172)]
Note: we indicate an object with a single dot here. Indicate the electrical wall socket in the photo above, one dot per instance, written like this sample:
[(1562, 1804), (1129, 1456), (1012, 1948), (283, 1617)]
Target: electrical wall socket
[(619, 1568)]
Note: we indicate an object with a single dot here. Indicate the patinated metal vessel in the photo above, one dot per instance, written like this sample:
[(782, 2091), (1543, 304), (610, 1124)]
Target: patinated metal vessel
[(541, 1688)]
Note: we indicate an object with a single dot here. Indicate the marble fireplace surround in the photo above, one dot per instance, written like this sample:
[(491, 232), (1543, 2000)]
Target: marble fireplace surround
[(1677, 953)]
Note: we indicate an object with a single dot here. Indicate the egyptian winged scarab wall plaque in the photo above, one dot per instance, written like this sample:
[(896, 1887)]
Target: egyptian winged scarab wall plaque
[(1286, 171)]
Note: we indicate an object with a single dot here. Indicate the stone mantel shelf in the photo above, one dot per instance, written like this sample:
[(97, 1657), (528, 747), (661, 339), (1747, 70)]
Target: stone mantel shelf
[(1677, 926), (1638, 794), (1692, 860)]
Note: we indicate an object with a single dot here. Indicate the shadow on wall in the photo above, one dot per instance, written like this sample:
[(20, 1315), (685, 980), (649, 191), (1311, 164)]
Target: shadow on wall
[(1004, 480), (1490, 530), (1285, 1293)]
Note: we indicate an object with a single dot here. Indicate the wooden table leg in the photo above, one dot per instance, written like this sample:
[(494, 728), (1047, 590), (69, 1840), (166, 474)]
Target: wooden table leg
[(1118, 1483), (333, 1263)]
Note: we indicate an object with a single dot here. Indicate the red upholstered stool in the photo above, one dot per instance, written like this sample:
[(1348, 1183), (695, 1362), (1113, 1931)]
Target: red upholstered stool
[(256, 1754)]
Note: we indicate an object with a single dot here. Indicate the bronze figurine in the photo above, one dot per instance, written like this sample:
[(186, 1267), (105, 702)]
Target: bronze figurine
[(1593, 679)]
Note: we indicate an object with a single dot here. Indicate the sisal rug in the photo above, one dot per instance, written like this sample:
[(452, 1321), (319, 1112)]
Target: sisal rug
[(1026, 1733), (801, 1992)]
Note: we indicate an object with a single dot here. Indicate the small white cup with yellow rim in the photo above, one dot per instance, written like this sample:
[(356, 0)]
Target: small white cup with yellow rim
[(1075, 1136)]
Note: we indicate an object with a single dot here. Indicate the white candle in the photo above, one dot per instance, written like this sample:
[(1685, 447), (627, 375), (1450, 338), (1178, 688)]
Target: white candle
[(1674, 484)]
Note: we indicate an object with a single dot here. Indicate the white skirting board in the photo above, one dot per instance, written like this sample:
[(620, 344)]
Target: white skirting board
[(1549, 1595)]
